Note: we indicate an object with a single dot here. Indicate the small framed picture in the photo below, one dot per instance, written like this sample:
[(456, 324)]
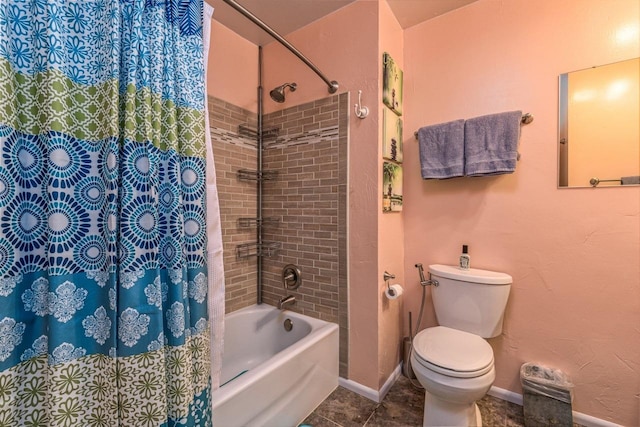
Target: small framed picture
[(391, 84), (391, 187), (392, 134)]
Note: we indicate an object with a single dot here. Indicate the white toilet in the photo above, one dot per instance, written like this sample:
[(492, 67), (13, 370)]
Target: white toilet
[(452, 361)]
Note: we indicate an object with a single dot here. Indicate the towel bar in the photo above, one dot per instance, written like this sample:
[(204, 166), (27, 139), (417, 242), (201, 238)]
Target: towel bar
[(526, 119)]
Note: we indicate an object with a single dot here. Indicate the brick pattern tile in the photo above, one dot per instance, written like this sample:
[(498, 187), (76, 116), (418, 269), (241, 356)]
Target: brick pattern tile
[(308, 198), (238, 199)]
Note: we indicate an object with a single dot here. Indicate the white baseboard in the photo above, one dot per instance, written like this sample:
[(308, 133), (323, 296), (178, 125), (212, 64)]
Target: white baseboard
[(362, 390), (589, 421), (369, 393), (390, 381), (507, 395), (578, 417), (500, 393)]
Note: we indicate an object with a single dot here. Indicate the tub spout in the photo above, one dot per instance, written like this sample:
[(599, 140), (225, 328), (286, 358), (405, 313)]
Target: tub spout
[(288, 300)]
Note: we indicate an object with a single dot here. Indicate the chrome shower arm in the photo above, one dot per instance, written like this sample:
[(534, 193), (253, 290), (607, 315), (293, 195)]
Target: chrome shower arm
[(332, 84)]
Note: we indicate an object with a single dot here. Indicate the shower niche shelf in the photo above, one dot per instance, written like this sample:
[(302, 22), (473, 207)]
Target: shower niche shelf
[(267, 134), (256, 222), (248, 250), (254, 175)]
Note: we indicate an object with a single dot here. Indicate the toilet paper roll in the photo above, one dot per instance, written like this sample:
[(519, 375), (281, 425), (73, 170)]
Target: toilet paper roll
[(394, 291)]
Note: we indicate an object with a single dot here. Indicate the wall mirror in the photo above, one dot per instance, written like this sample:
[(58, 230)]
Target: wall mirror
[(599, 142)]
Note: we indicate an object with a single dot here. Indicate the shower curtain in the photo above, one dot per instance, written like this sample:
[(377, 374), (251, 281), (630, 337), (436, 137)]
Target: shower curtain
[(103, 262), (215, 265)]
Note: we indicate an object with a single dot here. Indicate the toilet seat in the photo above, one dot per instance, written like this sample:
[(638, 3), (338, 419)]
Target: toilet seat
[(452, 352)]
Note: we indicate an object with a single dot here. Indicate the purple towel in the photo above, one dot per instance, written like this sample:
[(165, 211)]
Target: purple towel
[(630, 180), (491, 143), (442, 150)]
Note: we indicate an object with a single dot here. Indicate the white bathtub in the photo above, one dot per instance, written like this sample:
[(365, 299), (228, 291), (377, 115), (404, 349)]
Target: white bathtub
[(274, 377)]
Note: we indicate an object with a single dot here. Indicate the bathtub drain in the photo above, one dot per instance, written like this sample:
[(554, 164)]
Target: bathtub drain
[(288, 325)]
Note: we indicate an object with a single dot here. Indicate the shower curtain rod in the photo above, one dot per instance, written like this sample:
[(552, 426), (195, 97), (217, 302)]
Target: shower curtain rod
[(332, 84)]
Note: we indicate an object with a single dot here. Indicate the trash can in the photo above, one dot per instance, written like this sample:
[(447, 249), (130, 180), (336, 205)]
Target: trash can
[(547, 395)]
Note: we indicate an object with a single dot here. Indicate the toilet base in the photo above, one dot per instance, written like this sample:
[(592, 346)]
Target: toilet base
[(438, 412)]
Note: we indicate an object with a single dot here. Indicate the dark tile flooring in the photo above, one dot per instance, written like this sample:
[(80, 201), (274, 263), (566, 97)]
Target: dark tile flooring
[(401, 407)]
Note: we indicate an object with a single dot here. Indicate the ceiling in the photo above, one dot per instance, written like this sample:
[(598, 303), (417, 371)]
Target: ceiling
[(412, 12), (286, 16)]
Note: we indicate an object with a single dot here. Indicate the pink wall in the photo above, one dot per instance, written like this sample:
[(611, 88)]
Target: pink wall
[(232, 73), (390, 225), (344, 45), (574, 254), (352, 55)]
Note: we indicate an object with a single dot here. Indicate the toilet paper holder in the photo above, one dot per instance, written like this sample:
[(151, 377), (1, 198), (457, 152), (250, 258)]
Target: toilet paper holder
[(388, 276)]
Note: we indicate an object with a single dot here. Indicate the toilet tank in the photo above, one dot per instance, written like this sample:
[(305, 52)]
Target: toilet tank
[(470, 300)]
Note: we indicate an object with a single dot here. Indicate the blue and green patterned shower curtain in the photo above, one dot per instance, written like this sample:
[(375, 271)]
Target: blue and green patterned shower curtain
[(103, 278)]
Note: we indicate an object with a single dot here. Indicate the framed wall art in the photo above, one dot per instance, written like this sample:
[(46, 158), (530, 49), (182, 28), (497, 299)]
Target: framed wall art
[(391, 84), (391, 187), (392, 136)]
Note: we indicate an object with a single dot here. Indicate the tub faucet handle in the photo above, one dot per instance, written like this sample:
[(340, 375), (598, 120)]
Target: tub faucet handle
[(291, 277)]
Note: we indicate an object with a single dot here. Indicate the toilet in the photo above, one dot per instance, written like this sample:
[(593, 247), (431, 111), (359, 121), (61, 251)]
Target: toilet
[(452, 361)]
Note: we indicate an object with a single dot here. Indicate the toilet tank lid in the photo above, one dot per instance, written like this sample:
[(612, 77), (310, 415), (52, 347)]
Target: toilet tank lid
[(473, 275)]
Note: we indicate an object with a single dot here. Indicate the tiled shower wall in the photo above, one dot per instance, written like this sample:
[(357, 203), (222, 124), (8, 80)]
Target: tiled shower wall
[(308, 198), (238, 199)]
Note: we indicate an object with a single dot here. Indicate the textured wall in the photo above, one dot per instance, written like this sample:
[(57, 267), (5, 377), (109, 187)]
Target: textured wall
[(344, 45), (574, 254), (391, 314), (232, 72)]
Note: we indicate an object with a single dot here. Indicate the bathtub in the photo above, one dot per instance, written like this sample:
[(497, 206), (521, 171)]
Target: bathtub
[(270, 376)]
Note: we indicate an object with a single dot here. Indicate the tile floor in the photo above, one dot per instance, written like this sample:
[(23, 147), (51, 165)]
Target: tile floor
[(401, 407)]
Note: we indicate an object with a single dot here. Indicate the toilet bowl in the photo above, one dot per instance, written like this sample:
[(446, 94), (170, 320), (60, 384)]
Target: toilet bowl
[(456, 369), (452, 361)]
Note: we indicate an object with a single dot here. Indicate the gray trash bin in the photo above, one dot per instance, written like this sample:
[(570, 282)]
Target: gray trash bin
[(547, 395)]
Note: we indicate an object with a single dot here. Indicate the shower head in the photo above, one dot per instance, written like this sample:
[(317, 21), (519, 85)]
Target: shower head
[(277, 94)]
